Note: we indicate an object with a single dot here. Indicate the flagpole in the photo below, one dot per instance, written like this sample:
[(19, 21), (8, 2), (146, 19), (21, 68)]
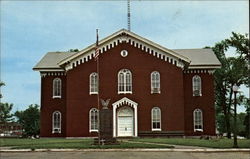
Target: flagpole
[(98, 83)]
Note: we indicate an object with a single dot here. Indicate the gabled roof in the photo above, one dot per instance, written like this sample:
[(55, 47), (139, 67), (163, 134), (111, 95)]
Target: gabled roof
[(127, 34), (200, 58), (194, 58), (51, 59)]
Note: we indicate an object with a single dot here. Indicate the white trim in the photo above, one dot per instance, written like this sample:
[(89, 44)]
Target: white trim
[(96, 111), (197, 83), (124, 36), (56, 84), (204, 67), (124, 73), (130, 103), (154, 82), (56, 97), (93, 87), (152, 111), (201, 115), (60, 122)]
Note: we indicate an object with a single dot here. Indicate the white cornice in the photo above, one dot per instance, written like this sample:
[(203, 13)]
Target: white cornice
[(209, 71), (44, 74), (204, 66), (131, 38), (123, 101)]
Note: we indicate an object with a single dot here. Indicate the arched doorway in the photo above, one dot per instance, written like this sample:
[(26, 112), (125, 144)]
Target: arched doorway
[(126, 106), (125, 121)]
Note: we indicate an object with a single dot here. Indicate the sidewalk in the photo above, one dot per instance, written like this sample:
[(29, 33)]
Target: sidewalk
[(128, 150)]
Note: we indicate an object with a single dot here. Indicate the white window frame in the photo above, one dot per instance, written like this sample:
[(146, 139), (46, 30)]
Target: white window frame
[(198, 120), (196, 83), (56, 127), (155, 82), (124, 82), (95, 112), (93, 83), (57, 88), (158, 119)]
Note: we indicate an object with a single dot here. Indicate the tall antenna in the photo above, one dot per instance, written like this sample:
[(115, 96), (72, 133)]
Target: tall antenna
[(128, 15)]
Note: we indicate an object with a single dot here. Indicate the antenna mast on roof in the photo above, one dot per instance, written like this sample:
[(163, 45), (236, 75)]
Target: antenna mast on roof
[(128, 15)]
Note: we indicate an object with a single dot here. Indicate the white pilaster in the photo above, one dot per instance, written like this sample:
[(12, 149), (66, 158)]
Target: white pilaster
[(136, 122), (114, 121)]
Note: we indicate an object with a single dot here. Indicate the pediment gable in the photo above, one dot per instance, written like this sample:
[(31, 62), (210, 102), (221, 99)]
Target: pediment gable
[(126, 101), (124, 36)]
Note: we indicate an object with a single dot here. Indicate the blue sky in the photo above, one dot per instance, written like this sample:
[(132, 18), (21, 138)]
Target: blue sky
[(29, 29)]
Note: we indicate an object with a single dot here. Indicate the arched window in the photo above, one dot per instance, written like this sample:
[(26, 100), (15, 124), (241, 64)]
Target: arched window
[(93, 83), (57, 88), (198, 120), (93, 120), (156, 119), (124, 81), (155, 82), (56, 122), (196, 85)]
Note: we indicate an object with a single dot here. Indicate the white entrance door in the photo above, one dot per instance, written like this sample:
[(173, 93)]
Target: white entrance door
[(125, 122)]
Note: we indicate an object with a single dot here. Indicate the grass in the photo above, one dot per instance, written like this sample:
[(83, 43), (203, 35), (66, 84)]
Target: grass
[(68, 143), (214, 143), (88, 143)]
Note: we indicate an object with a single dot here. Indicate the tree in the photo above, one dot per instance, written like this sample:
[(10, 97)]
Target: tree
[(29, 119), (234, 71), (5, 112), (247, 118), (73, 50)]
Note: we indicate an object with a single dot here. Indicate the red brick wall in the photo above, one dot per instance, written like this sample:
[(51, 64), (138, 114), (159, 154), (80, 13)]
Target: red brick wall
[(141, 64), (49, 105), (204, 102)]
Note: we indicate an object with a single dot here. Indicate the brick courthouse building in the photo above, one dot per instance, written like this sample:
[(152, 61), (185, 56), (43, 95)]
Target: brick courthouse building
[(152, 90)]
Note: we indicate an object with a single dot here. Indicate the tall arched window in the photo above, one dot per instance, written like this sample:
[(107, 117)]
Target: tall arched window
[(57, 88), (198, 120), (196, 85), (124, 81), (56, 122), (156, 119), (93, 83), (93, 120), (155, 82)]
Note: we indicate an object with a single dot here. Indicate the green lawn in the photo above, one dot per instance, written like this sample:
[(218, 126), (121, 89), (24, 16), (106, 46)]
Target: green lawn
[(214, 143), (68, 143), (88, 143)]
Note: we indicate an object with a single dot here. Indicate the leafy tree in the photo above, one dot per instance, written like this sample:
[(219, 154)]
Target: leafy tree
[(73, 50), (5, 112), (247, 118), (234, 71), (29, 119)]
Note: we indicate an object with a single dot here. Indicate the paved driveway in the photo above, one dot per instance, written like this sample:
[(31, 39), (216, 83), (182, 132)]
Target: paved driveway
[(125, 155)]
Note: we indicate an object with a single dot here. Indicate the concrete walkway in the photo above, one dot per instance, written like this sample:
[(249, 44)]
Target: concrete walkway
[(124, 155), (162, 144)]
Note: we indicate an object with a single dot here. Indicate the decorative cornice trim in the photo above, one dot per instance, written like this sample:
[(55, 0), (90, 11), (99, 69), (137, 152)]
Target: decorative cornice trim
[(199, 71), (44, 74), (124, 100), (124, 36)]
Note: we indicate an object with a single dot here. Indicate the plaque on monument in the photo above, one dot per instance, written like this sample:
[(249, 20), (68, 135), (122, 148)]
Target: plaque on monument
[(106, 124)]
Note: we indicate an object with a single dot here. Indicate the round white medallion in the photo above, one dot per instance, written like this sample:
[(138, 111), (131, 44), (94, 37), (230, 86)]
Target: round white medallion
[(124, 53)]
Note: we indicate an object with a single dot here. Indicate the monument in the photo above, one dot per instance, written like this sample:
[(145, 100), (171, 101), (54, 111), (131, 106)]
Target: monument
[(106, 125)]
